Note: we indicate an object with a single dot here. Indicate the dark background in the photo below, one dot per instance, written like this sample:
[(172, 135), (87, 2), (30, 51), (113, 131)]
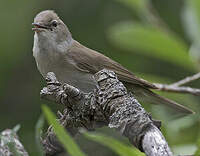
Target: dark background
[(90, 22)]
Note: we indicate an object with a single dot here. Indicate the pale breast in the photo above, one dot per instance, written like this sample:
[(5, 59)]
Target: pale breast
[(51, 60)]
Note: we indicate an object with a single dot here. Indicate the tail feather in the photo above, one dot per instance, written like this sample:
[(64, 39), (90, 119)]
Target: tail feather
[(157, 99), (147, 96)]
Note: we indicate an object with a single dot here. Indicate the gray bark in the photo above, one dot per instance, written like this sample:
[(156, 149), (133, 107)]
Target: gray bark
[(10, 144)]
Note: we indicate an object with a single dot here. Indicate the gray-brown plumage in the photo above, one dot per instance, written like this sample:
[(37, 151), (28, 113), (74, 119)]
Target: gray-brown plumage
[(55, 50)]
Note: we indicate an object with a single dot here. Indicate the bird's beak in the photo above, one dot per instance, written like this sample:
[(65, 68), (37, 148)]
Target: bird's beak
[(39, 27)]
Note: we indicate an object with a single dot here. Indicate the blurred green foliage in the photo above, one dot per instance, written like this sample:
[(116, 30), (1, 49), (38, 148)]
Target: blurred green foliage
[(158, 40), (191, 19), (151, 41)]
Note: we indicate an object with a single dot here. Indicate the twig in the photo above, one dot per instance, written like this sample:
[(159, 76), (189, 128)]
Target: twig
[(108, 105), (171, 88), (178, 88), (187, 80)]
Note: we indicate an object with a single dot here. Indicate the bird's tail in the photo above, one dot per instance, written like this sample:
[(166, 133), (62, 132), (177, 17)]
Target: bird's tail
[(147, 96)]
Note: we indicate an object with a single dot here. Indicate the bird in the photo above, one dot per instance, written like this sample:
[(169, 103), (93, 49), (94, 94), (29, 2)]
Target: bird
[(55, 50)]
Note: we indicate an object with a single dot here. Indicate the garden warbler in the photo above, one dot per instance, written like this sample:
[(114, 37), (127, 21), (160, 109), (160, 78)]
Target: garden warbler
[(56, 51)]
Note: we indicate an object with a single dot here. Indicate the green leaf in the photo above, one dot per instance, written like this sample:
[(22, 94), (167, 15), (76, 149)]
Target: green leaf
[(38, 134), (67, 141), (118, 147), (151, 41)]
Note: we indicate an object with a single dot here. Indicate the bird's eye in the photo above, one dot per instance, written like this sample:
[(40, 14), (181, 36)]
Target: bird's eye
[(54, 23)]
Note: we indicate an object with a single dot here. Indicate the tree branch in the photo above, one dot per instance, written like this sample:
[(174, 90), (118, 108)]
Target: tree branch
[(108, 105)]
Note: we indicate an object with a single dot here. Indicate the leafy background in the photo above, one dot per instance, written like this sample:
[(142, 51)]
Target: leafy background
[(157, 40)]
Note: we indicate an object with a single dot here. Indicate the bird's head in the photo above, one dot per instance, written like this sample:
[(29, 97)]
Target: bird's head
[(48, 26)]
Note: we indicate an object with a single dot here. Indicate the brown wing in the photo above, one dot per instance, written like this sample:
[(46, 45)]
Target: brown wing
[(92, 61), (88, 60)]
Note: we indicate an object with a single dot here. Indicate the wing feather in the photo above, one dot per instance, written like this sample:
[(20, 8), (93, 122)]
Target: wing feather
[(96, 61), (88, 60)]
